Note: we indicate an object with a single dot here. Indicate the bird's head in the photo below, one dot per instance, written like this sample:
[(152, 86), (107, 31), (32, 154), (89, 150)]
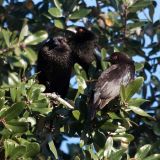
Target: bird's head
[(60, 43), (84, 34), (119, 58)]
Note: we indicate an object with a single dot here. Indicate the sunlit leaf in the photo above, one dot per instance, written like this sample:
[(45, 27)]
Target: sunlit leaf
[(76, 114), (36, 38), (124, 138), (139, 66), (139, 111), (24, 32), (103, 55), (153, 157), (117, 155), (139, 5), (16, 127), (32, 149), (13, 149), (133, 87), (108, 147), (41, 107), (79, 13), (6, 36), (58, 4), (59, 23), (13, 111), (53, 148), (2, 102), (143, 151), (30, 54), (55, 12), (136, 102)]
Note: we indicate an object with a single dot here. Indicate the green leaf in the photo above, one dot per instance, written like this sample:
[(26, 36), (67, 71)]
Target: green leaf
[(123, 93), (136, 102), (19, 61), (139, 66), (77, 69), (92, 153), (139, 5), (127, 138), (32, 149), (109, 126), (135, 25), (41, 107), (2, 93), (6, 36), (57, 4), (14, 111), (103, 55), (156, 129), (16, 126), (31, 55), (76, 114), (78, 14), (2, 102), (13, 78), (120, 130), (53, 148), (117, 155), (55, 12), (77, 158), (35, 94), (113, 115), (132, 88), (99, 139), (13, 92), (36, 38), (139, 111), (108, 147), (24, 32), (13, 149), (153, 157), (31, 120), (143, 151), (59, 23)]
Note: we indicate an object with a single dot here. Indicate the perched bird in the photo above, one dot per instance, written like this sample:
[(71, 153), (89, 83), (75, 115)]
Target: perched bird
[(83, 44), (121, 72), (54, 65)]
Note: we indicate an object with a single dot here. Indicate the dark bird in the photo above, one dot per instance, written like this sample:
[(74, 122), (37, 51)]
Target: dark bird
[(54, 65), (121, 72), (83, 44)]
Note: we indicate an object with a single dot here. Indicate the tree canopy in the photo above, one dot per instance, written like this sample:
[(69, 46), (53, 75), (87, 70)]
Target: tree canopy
[(32, 125)]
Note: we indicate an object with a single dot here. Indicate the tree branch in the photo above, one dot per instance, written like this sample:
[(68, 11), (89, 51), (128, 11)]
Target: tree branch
[(59, 99)]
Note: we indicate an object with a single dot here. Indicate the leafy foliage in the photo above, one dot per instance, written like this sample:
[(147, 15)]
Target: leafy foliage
[(32, 125)]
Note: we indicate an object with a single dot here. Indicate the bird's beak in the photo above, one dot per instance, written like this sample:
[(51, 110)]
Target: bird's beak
[(71, 29)]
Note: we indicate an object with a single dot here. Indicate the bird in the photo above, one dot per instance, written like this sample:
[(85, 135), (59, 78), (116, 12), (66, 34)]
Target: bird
[(83, 43), (54, 65), (107, 87)]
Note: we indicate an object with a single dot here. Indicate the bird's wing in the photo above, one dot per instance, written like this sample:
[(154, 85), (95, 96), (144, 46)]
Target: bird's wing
[(104, 76), (109, 83)]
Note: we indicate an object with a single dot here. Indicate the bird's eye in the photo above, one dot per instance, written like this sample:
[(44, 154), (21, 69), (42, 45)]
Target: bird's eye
[(115, 57), (80, 30)]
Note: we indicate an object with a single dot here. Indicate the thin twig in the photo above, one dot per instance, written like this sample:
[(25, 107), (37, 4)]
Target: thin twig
[(59, 99)]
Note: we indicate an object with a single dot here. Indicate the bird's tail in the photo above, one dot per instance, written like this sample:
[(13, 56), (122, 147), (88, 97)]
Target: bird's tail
[(92, 108)]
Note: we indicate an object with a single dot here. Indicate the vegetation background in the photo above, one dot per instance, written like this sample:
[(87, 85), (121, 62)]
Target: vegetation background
[(32, 128)]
